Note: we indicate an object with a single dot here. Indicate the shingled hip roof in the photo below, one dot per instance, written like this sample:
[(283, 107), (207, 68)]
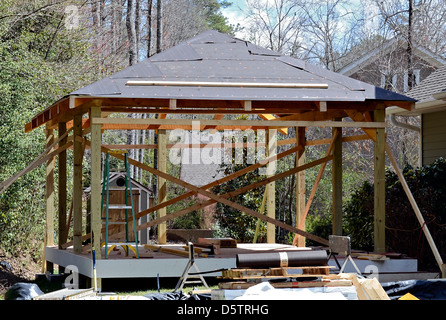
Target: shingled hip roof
[(215, 66)]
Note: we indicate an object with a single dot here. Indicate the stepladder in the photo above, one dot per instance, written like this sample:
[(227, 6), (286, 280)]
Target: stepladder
[(128, 220)]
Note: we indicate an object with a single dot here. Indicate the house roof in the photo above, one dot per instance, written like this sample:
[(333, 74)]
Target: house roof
[(429, 93), (372, 55), (215, 71), (220, 63), (433, 84)]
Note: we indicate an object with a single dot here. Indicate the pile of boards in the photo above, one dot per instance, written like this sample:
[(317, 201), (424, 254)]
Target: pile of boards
[(203, 248), (364, 289)]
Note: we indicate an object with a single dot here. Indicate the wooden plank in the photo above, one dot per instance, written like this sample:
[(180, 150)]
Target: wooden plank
[(96, 156), (223, 199), (373, 289), (222, 242), (178, 252), (238, 285), (44, 156), (359, 117), (49, 193), (77, 184), (162, 187), (268, 117), (359, 290), (206, 187), (62, 187), (271, 187), (129, 123), (380, 186), (300, 187), (316, 184), (336, 172)]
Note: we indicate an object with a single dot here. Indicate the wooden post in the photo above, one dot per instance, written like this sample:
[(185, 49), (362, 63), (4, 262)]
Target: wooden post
[(62, 188), (96, 210), (379, 184), (77, 184), (337, 183), (300, 185), (271, 187), (49, 193), (162, 192)]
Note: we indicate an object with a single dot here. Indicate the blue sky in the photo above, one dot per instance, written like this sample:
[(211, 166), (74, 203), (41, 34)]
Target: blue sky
[(235, 12)]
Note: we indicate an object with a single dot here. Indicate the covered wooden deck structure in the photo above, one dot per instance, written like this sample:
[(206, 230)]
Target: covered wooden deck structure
[(213, 74)]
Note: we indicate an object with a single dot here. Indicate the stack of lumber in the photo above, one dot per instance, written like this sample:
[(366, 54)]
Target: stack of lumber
[(281, 272), (366, 289), (221, 242)]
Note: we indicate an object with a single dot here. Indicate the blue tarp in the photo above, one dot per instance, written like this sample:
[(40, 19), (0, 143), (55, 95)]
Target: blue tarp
[(422, 289)]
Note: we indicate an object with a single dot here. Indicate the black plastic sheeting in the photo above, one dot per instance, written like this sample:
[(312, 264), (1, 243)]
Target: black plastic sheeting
[(422, 289), (287, 259), (23, 291), (176, 296)]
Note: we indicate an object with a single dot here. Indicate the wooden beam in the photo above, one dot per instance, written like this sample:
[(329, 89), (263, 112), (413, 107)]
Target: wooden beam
[(44, 156), (49, 193), (337, 182), (124, 123), (162, 187), (271, 187), (62, 187), (96, 209), (269, 117), (206, 187), (359, 117), (77, 183), (380, 185), (222, 199), (247, 105), (300, 223), (300, 140)]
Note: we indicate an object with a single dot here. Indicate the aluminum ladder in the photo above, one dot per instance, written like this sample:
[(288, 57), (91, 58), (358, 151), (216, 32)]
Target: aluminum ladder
[(106, 207)]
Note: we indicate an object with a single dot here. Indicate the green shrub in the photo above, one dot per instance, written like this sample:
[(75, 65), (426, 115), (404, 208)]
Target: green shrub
[(403, 231)]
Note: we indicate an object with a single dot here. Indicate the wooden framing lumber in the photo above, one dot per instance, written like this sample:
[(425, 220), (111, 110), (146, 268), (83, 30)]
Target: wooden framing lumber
[(223, 199), (127, 123), (96, 209), (49, 193), (62, 187), (44, 156), (77, 183), (300, 223), (206, 187), (271, 187), (336, 181), (380, 186), (300, 186), (162, 187), (177, 252)]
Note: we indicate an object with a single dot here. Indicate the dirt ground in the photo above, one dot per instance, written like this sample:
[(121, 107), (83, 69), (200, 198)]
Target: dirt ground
[(16, 269)]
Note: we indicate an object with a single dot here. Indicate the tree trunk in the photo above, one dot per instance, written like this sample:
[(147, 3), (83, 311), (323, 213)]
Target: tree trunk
[(149, 27), (159, 27), (130, 24)]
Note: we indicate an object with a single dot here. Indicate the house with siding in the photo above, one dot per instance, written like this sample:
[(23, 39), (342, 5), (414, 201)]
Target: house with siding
[(431, 107), (385, 66)]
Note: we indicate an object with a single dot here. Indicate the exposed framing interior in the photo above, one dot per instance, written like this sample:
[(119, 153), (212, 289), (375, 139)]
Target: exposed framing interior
[(89, 116)]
